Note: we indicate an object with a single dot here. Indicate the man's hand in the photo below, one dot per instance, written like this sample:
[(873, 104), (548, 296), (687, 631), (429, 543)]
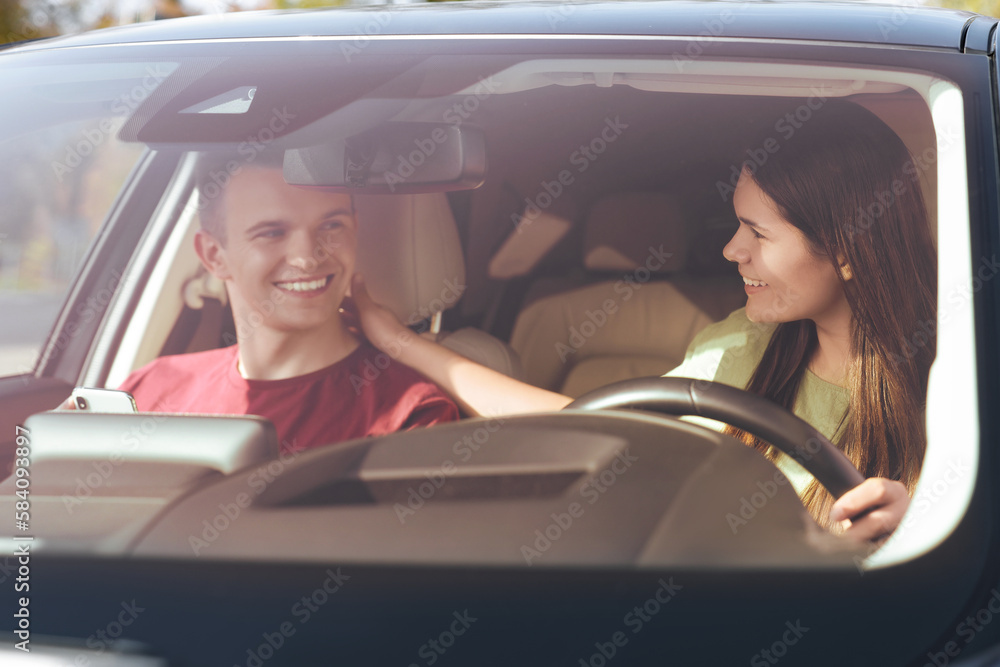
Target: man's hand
[(871, 510), (378, 324)]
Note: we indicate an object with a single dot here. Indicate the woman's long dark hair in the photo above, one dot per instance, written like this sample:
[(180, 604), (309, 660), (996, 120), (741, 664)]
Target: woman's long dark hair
[(847, 181)]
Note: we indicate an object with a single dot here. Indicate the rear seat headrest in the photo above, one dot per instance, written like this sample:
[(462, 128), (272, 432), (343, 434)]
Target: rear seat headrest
[(410, 253), (626, 230)]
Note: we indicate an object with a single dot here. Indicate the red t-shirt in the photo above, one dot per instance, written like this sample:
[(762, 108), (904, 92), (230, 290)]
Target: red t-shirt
[(366, 393)]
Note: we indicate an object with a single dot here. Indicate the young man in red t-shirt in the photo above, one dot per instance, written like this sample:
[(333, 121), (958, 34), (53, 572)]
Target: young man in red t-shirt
[(286, 255)]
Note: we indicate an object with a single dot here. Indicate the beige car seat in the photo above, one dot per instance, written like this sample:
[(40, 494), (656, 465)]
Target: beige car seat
[(411, 257), (634, 323)]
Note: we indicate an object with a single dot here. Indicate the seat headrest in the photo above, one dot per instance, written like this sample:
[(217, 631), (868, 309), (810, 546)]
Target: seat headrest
[(626, 230), (410, 253)]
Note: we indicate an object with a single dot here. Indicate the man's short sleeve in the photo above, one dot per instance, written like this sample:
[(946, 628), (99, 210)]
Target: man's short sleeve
[(434, 409)]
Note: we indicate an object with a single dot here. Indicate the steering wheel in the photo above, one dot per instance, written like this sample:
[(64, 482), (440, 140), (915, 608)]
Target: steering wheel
[(750, 412)]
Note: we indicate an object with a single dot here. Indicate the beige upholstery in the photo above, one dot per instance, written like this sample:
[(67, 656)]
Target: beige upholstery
[(484, 349), (591, 336), (410, 253), (528, 243), (594, 372), (629, 326), (411, 257)]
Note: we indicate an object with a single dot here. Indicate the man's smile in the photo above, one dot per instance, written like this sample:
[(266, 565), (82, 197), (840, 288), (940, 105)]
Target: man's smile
[(305, 286)]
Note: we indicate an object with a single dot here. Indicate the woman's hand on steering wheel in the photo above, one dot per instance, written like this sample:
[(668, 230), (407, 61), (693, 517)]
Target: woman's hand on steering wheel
[(871, 510), (867, 509)]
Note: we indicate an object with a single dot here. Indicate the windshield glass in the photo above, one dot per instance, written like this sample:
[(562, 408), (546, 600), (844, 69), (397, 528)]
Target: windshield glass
[(61, 168), (587, 218)]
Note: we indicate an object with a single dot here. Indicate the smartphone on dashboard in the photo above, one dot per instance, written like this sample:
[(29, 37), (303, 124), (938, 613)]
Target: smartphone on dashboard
[(92, 399)]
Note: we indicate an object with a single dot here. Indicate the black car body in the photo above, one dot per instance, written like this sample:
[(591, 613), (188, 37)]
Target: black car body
[(555, 107)]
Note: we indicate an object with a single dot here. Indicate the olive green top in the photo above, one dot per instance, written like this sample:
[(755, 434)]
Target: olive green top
[(729, 351)]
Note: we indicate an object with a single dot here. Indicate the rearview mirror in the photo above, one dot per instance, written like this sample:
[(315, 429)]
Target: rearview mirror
[(394, 158)]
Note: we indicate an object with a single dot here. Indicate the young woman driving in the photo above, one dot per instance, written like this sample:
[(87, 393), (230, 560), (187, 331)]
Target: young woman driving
[(835, 250)]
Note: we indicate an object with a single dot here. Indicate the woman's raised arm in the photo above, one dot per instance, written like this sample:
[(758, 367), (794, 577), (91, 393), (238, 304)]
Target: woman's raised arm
[(477, 389)]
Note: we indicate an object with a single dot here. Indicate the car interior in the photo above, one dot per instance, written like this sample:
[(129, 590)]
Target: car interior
[(546, 188), (493, 259), (588, 252)]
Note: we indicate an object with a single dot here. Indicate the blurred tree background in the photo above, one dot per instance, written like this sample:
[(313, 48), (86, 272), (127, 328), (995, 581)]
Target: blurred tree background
[(987, 7), (31, 19)]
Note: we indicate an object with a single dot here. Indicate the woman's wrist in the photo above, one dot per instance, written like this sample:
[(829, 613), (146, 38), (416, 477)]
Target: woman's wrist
[(397, 341)]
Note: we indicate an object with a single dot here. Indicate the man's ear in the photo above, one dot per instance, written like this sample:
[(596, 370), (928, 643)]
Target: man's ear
[(212, 255)]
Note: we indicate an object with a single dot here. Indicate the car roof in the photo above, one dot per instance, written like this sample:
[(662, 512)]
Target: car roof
[(861, 23)]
